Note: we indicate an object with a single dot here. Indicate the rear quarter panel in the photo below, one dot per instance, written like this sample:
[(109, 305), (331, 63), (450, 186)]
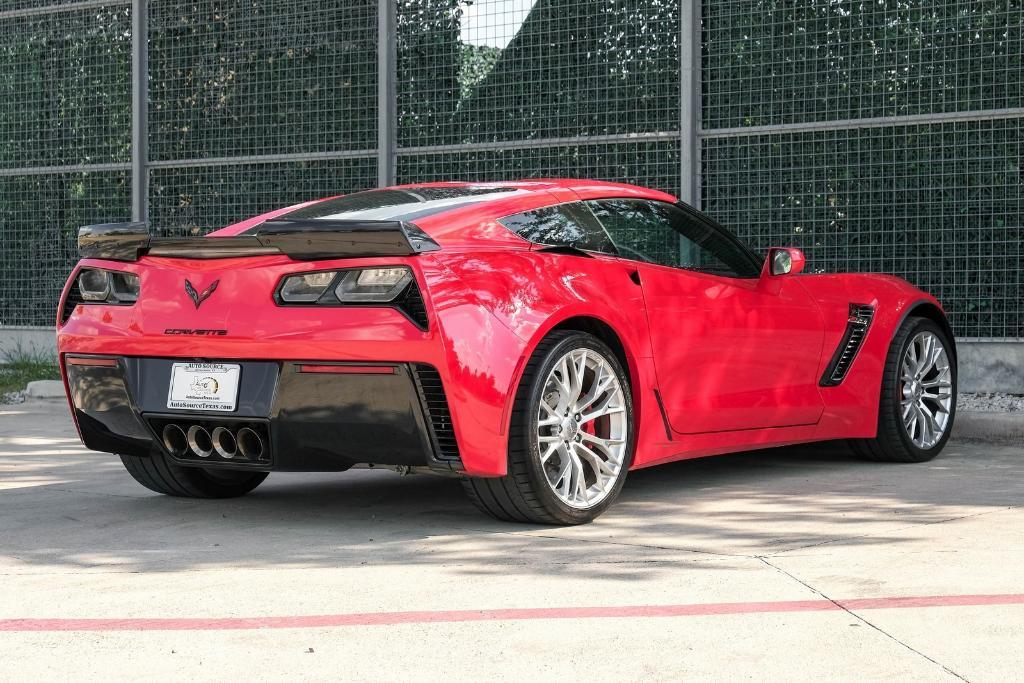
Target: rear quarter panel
[(496, 307)]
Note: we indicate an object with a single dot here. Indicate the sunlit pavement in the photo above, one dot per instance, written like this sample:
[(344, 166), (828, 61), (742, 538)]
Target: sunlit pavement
[(781, 564)]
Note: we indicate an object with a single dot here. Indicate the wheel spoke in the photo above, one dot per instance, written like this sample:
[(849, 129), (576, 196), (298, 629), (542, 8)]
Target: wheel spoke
[(934, 431), (598, 387), (602, 407), (601, 467), (606, 445), (926, 427), (910, 362), (564, 474), (928, 356), (911, 421), (552, 413), (580, 370)]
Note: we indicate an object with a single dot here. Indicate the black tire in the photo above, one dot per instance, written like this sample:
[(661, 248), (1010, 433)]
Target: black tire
[(158, 473), (892, 443), (523, 495)]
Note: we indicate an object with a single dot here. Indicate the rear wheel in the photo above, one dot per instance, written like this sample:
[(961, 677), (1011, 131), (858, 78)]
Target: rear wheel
[(918, 401), (158, 473), (570, 439)]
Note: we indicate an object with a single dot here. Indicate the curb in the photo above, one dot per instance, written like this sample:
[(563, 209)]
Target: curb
[(1001, 428), (45, 389)]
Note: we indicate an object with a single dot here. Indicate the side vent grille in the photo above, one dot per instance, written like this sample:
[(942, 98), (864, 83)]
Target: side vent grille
[(70, 303), (439, 418), (856, 330), (411, 303)]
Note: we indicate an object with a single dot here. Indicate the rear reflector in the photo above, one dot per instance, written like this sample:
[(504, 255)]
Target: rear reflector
[(349, 369), (96, 362)]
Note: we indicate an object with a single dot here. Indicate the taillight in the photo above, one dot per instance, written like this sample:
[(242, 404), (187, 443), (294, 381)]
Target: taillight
[(98, 286), (392, 286)]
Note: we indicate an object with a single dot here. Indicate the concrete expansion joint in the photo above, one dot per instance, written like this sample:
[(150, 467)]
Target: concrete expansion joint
[(860, 618)]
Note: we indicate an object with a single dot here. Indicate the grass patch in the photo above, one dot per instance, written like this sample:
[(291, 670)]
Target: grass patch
[(19, 367)]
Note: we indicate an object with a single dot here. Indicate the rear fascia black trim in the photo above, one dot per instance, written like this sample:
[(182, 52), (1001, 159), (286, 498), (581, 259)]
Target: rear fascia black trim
[(439, 421)]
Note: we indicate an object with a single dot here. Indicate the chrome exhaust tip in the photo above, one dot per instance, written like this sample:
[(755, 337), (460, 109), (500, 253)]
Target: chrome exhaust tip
[(224, 442), (175, 440), (199, 441), (250, 445)]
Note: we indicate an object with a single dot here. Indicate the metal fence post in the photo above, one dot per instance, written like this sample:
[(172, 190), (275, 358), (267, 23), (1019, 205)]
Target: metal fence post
[(386, 92), (140, 111), (689, 101)]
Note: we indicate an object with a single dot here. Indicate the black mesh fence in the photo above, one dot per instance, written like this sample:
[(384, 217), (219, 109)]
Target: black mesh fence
[(778, 62), (194, 199), (514, 70), (939, 204), (39, 219), (64, 102), (261, 77), (882, 136)]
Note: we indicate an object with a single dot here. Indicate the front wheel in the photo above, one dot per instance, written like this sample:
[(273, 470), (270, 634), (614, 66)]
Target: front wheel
[(918, 401), (570, 438), (158, 473)]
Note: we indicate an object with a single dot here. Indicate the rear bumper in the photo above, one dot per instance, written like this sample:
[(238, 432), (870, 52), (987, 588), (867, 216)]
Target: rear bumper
[(313, 416)]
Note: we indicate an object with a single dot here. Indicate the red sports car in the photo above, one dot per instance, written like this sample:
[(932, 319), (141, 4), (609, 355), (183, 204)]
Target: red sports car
[(536, 339)]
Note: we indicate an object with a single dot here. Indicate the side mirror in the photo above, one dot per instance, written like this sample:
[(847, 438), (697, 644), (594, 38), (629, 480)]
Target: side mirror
[(784, 261)]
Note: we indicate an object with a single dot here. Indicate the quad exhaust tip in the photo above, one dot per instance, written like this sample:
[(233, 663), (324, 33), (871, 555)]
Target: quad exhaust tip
[(199, 441), (224, 443), (250, 445), (181, 441), (175, 440)]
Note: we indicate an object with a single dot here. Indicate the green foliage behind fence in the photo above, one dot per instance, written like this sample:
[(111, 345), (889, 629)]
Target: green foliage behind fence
[(498, 89)]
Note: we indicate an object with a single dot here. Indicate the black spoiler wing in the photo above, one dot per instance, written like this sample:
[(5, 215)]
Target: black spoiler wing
[(302, 240)]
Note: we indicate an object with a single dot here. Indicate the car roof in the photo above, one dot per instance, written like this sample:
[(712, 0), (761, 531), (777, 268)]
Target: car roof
[(453, 213)]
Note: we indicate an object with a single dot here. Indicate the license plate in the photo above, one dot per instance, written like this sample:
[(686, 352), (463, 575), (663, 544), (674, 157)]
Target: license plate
[(203, 386)]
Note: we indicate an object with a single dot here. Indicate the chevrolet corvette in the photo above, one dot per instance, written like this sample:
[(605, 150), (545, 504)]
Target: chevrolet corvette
[(536, 339)]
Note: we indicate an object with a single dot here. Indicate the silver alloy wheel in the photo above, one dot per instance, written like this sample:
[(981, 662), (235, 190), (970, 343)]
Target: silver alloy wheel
[(582, 427), (926, 390)]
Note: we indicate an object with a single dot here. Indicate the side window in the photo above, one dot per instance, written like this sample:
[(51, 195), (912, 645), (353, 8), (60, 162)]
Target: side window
[(565, 225), (660, 233)]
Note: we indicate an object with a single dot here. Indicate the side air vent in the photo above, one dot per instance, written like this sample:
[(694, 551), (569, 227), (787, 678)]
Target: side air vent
[(70, 303), (856, 330), (410, 302), (439, 418)]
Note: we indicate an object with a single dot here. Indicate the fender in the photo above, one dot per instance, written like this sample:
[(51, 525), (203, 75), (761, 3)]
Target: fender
[(531, 293), (851, 408)]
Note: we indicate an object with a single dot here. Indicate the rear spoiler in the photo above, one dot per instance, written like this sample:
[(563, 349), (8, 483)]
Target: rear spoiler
[(302, 240)]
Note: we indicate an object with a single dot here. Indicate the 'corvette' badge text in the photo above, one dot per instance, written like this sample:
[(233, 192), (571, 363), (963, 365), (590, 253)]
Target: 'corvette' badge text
[(197, 333)]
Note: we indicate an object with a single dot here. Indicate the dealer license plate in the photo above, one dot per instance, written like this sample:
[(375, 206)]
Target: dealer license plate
[(204, 386)]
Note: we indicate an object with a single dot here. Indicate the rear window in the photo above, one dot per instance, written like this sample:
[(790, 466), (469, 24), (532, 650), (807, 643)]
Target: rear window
[(406, 204), (566, 225)]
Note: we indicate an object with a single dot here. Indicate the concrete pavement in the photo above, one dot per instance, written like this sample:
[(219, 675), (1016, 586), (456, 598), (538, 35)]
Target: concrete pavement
[(773, 536)]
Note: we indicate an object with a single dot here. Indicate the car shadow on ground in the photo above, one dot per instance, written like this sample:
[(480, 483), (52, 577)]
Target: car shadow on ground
[(83, 510)]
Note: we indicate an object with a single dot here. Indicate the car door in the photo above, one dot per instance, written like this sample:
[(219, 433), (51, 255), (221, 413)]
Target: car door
[(732, 350)]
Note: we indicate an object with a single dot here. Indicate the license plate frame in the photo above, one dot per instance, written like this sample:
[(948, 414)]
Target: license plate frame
[(204, 387)]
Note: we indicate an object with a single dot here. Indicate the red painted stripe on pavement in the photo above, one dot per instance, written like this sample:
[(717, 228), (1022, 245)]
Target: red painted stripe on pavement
[(510, 614)]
